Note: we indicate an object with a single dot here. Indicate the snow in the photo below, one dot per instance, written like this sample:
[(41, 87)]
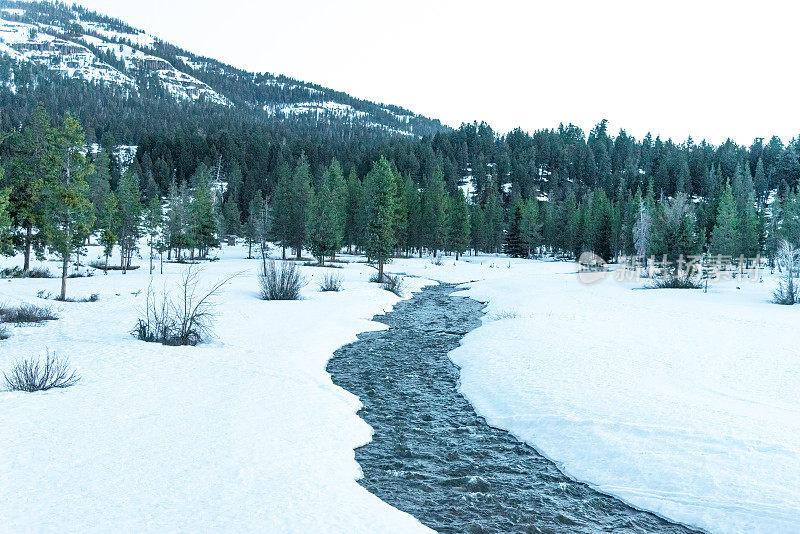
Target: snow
[(244, 433), (73, 60), (676, 401)]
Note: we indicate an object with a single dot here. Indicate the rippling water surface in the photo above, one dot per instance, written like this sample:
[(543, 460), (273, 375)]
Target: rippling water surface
[(435, 458)]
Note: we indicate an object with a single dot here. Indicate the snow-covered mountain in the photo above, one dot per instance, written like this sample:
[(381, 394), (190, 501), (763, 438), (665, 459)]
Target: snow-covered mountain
[(78, 44)]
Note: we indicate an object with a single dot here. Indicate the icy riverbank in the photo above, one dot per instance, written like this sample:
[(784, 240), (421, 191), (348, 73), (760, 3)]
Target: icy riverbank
[(245, 433), (677, 401)]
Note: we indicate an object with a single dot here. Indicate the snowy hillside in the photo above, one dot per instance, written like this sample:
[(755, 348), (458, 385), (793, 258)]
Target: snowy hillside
[(78, 44)]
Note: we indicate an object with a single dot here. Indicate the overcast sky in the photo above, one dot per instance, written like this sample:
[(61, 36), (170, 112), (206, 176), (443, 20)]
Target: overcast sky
[(709, 69)]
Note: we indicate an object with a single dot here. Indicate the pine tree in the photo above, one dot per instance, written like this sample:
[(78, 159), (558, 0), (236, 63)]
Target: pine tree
[(433, 211), (282, 208), (130, 209), (109, 226), (68, 213), (760, 182), (354, 212), (153, 223), (514, 244), (258, 226), (34, 157), (231, 214), (298, 205), (203, 219), (327, 220), (725, 236), (6, 227), (380, 187), (477, 228), (531, 227), (99, 185), (458, 224)]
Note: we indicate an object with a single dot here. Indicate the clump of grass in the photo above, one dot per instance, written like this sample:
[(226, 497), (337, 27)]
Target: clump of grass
[(184, 319), (376, 278), (675, 282), (280, 283), (98, 264), (330, 282), (33, 272), (395, 284), (32, 375), (26, 313), (328, 265), (46, 295)]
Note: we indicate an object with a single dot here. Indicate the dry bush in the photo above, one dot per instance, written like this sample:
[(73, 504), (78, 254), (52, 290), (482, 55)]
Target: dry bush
[(282, 283), (26, 313), (331, 282), (31, 375), (179, 319), (395, 284)]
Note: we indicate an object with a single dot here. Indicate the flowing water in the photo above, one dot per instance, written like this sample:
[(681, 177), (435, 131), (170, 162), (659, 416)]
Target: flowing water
[(432, 456)]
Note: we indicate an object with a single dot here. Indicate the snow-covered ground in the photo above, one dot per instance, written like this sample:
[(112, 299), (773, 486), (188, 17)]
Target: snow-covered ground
[(244, 433), (679, 402)]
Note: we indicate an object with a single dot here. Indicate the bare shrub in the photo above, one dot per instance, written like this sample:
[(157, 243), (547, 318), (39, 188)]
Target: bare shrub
[(179, 319), (33, 272), (331, 282), (674, 281), (376, 278), (4, 333), (788, 258), (395, 284), (26, 313), (282, 283), (31, 375)]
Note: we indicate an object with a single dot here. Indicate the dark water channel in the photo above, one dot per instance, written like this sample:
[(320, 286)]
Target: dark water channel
[(435, 458)]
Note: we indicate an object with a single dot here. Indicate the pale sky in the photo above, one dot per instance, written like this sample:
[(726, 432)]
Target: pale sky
[(709, 69)]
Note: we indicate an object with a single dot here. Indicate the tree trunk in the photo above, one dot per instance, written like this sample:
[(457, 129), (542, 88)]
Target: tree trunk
[(28, 239), (380, 271), (64, 269), (284, 252), (300, 252)]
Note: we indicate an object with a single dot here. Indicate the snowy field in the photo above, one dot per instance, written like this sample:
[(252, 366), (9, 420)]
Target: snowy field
[(679, 402), (676, 401), (245, 433)]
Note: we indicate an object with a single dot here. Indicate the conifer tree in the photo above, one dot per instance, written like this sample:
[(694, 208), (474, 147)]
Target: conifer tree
[(531, 227), (99, 185), (354, 212), (414, 228), (68, 214), (380, 187), (760, 182), (725, 236), (298, 205), (34, 157), (109, 226), (153, 223), (327, 221), (282, 202), (514, 244), (6, 227), (477, 228), (231, 214), (458, 224), (203, 219), (259, 226), (130, 210), (434, 211)]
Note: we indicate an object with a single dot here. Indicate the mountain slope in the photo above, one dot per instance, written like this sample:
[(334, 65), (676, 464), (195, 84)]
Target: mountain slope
[(76, 44)]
